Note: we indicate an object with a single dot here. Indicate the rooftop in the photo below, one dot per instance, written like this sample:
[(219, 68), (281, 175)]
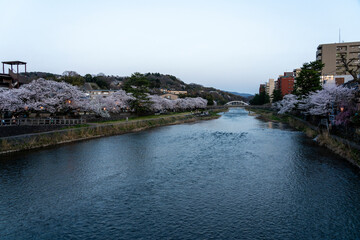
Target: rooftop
[(342, 43), (14, 62)]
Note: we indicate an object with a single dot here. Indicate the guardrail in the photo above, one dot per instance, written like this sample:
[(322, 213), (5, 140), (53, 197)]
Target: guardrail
[(39, 121)]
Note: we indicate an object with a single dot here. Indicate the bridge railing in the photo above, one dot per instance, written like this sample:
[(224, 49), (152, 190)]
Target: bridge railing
[(39, 121), (236, 103)]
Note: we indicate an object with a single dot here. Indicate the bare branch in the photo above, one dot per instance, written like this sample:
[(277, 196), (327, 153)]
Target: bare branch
[(353, 72)]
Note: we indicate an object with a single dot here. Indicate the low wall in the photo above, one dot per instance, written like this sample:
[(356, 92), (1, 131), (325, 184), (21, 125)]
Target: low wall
[(39, 140), (19, 130)]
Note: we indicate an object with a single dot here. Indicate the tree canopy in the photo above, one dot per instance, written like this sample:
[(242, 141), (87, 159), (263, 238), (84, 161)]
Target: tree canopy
[(260, 99), (308, 79), (276, 96), (322, 103), (60, 97)]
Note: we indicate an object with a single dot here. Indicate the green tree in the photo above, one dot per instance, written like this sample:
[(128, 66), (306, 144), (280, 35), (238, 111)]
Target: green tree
[(74, 80), (210, 100), (277, 96), (138, 85), (88, 78), (101, 83), (136, 81), (308, 79), (260, 99)]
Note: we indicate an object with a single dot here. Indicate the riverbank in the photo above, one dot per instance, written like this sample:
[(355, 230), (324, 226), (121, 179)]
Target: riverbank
[(343, 147), (96, 130)]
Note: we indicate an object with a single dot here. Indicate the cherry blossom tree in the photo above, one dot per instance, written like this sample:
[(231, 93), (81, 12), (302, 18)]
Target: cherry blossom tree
[(61, 97), (52, 96), (286, 105), (9, 101), (189, 103), (180, 104), (115, 103), (321, 102), (44, 95), (160, 104)]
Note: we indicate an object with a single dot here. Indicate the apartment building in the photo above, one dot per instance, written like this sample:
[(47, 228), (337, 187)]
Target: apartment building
[(262, 88), (296, 72), (285, 83), (270, 87), (330, 54)]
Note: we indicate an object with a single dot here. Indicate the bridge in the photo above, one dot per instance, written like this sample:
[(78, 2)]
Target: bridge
[(237, 104)]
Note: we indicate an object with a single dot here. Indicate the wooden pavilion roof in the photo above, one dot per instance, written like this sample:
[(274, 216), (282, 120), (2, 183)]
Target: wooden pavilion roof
[(14, 63)]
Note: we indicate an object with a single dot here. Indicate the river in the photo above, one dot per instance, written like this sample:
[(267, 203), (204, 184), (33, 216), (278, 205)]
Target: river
[(235, 177)]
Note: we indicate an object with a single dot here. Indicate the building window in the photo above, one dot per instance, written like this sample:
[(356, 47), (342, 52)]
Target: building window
[(339, 81), (340, 49)]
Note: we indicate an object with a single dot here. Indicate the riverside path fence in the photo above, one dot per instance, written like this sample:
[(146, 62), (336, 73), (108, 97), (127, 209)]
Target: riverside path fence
[(39, 121)]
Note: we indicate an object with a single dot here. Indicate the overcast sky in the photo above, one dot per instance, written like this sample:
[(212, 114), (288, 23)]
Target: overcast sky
[(228, 44)]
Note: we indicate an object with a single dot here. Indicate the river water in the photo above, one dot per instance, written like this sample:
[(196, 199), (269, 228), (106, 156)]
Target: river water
[(231, 178)]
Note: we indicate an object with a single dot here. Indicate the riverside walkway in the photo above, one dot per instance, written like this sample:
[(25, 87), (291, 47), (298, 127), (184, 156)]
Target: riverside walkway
[(39, 121)]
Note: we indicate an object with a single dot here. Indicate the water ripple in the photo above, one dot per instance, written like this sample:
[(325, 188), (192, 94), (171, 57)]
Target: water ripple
[(231, 178)]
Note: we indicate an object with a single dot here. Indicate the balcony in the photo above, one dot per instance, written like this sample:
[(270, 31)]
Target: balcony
[(341, 49), (338, 55), (355, 47)]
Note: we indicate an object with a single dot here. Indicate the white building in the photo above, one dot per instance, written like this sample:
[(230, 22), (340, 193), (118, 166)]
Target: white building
[(270, 87), (335, 79)]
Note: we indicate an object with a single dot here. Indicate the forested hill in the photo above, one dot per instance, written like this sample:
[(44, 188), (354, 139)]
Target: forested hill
[(152, 81), (170, 82)]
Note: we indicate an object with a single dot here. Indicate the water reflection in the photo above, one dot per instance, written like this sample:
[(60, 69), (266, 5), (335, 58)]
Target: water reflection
[(234, 177)]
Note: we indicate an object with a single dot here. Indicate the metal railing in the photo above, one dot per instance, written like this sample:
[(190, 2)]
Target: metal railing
[(39, 121)]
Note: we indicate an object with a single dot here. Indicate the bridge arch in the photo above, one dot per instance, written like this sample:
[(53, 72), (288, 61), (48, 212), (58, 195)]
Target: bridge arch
[(237, 103)]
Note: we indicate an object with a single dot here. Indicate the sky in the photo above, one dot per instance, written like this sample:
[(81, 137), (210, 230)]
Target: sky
[(231, 45)]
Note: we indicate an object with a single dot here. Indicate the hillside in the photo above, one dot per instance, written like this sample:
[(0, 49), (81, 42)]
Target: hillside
[(245, 95), (159, 81), (152, 81)]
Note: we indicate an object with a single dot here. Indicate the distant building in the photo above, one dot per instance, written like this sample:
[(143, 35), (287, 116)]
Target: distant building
[(173, 92), (335, 79), (178, 92), (286, 83), (296, 72), (262, 88), (329, 54), (92, 90), (170, 96), (270, 87), (99, 93), (277, 87)]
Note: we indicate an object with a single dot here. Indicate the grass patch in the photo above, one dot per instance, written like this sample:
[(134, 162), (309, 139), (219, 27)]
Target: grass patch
[(143, 117)]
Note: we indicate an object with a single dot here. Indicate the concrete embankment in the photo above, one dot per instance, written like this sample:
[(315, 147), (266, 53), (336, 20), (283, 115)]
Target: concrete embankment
[(343, 147), (39, 140)]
